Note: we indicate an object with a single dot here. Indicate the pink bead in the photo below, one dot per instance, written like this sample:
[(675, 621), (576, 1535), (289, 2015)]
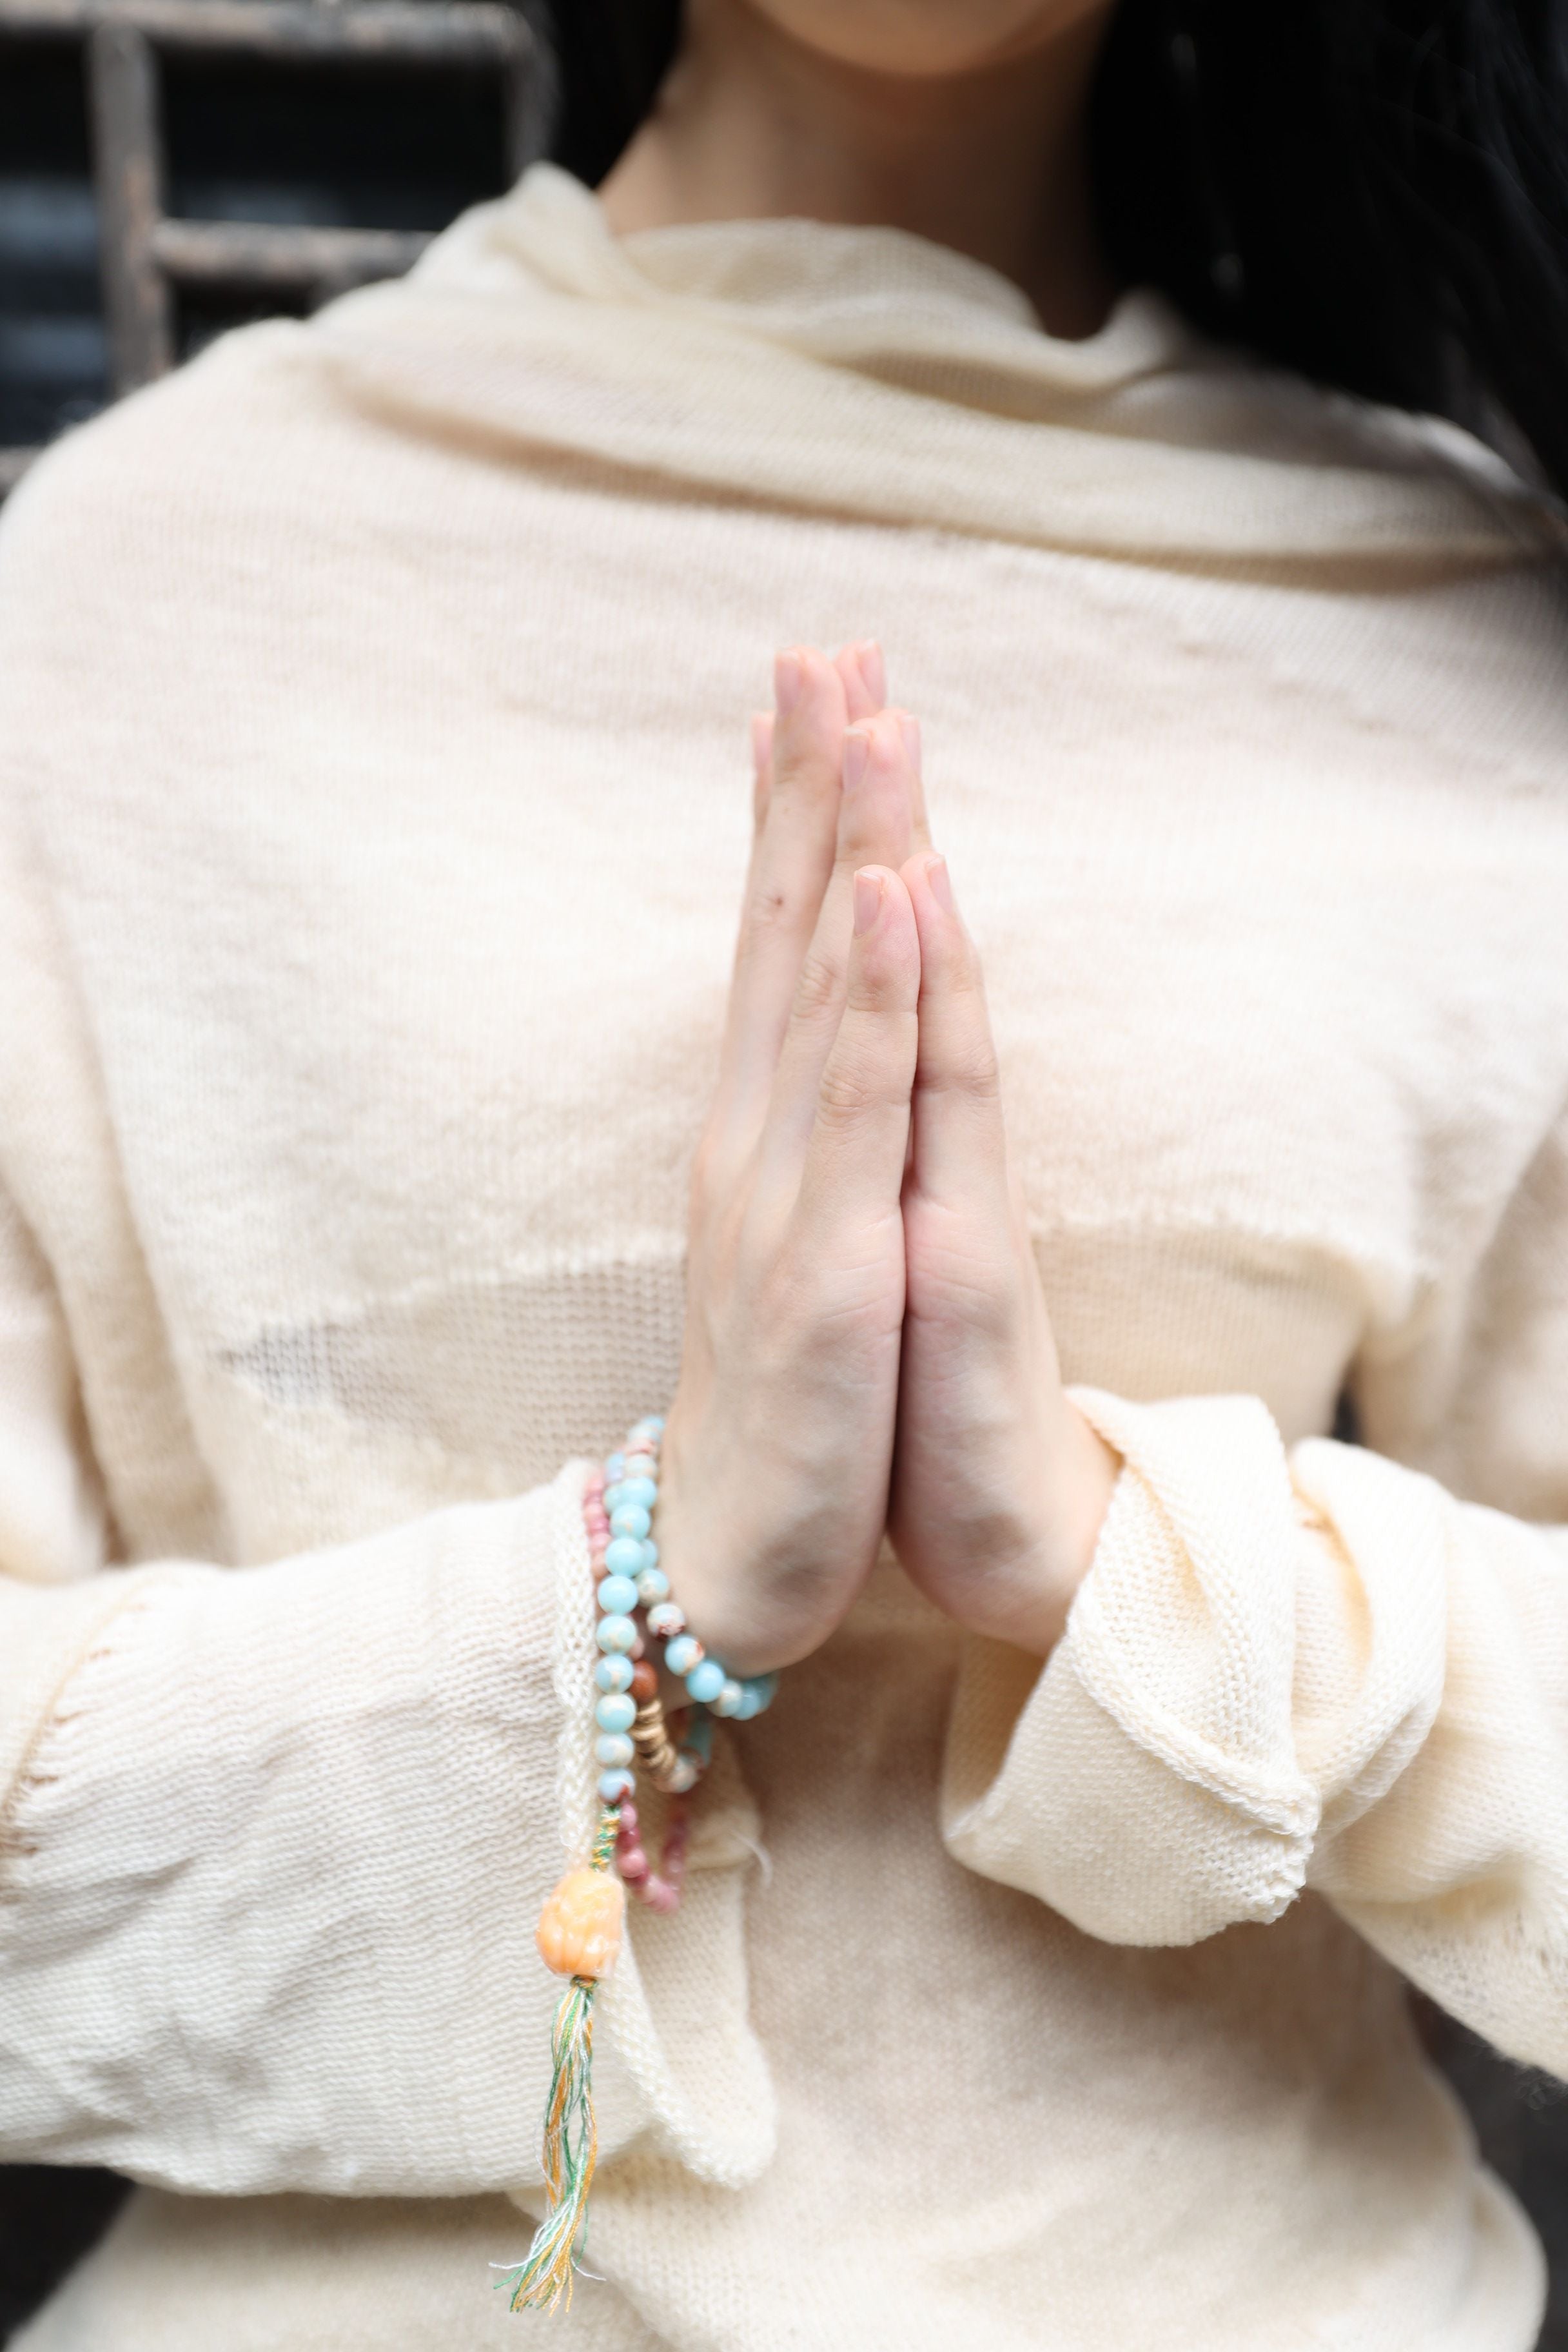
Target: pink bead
[(628, 1821), (659, 1896), (633, 1863)]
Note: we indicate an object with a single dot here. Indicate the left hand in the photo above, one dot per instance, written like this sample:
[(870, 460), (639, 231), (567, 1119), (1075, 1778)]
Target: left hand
[(999, 1485)]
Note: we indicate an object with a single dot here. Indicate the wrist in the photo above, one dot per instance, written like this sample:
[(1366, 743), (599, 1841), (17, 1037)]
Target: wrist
[(695, 1565), (758, 1605), (1034, 1562), (1082, 1476)]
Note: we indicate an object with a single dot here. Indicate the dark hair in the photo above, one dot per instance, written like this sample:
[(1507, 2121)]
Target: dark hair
[(1371, 192)]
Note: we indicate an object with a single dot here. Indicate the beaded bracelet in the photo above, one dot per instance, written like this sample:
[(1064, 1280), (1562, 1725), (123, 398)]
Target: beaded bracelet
[(640, 1711), (580, 1927)]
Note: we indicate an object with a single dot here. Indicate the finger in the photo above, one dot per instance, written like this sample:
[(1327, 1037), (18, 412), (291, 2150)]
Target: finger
[(910, 727), (762, 789), (959, 1146), (790, 862), (761, 766), (875, 827), (865, 676), (854, 1165)]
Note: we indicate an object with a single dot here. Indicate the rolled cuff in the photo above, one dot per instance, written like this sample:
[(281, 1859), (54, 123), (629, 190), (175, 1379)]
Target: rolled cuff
[(1144, 1782)]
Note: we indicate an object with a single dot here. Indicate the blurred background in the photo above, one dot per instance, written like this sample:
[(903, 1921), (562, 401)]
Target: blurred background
[(169, 168), (172, 168)]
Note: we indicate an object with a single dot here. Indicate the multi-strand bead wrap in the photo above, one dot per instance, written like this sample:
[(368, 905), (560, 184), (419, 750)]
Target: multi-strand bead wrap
[(581, 1926)]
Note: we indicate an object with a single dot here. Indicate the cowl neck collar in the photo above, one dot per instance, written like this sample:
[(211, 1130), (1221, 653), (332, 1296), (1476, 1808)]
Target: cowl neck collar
[(866, 371), (876, 299)]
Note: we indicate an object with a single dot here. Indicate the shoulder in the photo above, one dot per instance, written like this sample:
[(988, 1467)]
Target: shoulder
[(103, 519)]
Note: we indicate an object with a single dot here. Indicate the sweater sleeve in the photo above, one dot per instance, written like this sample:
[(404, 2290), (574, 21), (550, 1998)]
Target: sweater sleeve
[(273, 1841), (1318, 1668)]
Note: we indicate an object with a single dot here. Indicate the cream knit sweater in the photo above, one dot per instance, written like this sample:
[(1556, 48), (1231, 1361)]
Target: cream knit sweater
[(372, 813)]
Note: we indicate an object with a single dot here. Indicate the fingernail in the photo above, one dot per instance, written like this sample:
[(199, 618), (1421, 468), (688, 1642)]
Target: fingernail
[(910, 728), (867, 901), (787, 680), (857, 752), (874, 670), (761, 739), (941, 884)]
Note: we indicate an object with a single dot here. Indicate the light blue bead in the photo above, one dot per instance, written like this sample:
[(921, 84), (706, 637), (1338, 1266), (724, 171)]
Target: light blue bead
[(623, 1555), (649, 1552), (614, 1674), (617, 1596), (728, 1701), (705, 1681), (681, 1654), (615, 1713), (634, 1490), (650, 1425), (750, 1704), (616, 1467), (653, 1586), (614, 1748), (613, 1786), (615, 1633), (763, 1686), (630, 1520), (615, 1493)]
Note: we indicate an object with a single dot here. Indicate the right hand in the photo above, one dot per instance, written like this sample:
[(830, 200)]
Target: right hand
[(774, 1489)]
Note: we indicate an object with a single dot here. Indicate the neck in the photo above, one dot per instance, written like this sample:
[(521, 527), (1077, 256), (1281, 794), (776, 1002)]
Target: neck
[(751, 125)]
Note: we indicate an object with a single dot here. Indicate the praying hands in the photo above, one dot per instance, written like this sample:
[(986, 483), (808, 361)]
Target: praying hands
[(867, 1346)]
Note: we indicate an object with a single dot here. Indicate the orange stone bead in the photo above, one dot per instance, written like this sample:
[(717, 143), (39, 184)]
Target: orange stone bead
[(645, 1682), (579, 1930)]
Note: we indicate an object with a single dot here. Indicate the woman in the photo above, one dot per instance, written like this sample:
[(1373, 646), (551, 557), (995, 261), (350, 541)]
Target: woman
[(373, 836)]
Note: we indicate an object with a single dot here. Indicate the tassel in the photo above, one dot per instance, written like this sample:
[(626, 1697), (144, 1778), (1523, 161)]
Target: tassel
[(570, 2150), (579, 1934)]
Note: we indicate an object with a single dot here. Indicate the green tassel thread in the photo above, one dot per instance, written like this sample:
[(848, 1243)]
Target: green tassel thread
[(545, 2277)]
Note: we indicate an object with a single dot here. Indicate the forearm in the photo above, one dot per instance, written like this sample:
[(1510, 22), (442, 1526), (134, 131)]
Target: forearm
[(273, 1860), (1280, 1674)]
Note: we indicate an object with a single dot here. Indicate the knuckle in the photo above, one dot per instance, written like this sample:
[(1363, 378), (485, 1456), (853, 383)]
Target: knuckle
[(970, 1070), (805, 775), (848, 1091), (977, 1074), (875, 984), (818, 990)]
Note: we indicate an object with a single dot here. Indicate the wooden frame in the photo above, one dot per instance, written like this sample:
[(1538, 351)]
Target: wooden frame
[(148, 256)]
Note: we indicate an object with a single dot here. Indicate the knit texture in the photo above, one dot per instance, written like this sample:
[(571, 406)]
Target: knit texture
[(372, 816)]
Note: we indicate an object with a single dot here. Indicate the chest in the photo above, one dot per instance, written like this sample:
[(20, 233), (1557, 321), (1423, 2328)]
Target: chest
[(446, 946)]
